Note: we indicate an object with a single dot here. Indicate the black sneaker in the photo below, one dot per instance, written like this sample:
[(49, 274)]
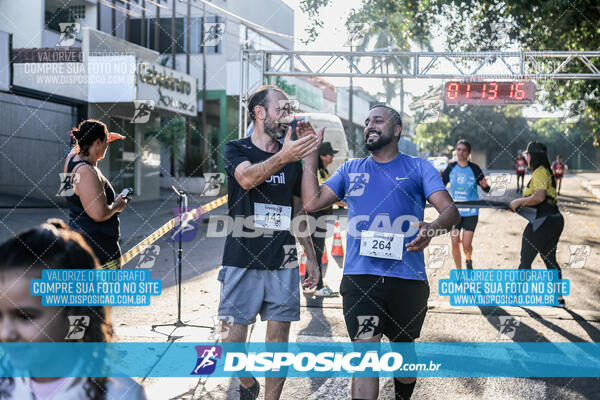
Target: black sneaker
[(469, 264), (250, 393), (561, 302)]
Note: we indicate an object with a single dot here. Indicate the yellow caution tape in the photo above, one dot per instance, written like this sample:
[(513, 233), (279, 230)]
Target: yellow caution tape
[(157, 234)]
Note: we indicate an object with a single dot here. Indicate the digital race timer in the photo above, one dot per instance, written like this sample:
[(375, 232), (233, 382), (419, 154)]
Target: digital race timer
[(489, 93)]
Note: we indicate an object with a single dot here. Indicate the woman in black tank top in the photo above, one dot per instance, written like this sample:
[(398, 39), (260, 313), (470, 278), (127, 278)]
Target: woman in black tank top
[(93, 207)]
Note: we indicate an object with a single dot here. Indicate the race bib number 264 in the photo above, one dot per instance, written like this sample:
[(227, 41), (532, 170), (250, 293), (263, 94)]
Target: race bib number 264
[(381, 245)]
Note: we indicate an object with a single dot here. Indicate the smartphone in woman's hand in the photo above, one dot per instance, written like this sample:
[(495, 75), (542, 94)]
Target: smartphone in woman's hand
[(127, 192)]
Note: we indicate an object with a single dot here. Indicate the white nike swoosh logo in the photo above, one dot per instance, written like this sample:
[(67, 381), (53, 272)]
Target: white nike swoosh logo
[(400, 179)]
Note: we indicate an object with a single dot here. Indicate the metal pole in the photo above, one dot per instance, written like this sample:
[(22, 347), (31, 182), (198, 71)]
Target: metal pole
[(350, 108), (263, 66), (180, 256), (173, 41), (143, 22), (241, 127), (188, 131), (188, 36), (246, 87), (114, 19), (157, 29), (207, 137), (128, 24), (98, 15)]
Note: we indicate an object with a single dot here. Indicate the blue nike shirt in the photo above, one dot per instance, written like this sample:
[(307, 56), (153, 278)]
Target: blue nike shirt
[(463, 184), (385, 197)]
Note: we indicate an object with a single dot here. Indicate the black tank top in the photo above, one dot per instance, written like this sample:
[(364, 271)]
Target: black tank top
[(80, 221)]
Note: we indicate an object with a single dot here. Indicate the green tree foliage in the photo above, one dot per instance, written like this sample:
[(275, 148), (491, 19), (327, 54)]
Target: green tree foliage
[(382, 40), (503, 132), (433, 138), (576, 143), (500, 132), (492, 25)]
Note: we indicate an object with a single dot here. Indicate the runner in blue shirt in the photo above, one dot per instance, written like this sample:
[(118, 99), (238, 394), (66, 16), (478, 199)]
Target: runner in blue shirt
[(464, 176), (384, 288)]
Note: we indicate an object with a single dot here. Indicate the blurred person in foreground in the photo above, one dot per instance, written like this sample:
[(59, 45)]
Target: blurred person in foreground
[(94, 206), (23, 318)]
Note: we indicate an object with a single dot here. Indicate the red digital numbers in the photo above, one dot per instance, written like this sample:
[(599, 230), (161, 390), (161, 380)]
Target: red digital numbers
[(520, 93), (452, 92), (516, 91), (489, 93), (493, 91)]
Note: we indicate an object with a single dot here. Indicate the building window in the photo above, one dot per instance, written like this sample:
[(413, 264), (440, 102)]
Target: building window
[(165, 42), (107, 11), (78, 12), (54, 16)]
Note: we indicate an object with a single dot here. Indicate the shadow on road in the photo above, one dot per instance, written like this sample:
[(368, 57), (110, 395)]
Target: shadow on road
[(317, 326), (588, 388)]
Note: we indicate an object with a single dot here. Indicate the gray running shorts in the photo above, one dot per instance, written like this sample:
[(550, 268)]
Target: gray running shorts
[(274, 294)]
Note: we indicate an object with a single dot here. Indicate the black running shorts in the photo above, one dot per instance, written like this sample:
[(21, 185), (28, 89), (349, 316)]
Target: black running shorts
[(375, 304), (467, 223)]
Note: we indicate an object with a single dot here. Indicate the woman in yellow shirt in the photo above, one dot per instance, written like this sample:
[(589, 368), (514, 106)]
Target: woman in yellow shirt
[(541, 194)]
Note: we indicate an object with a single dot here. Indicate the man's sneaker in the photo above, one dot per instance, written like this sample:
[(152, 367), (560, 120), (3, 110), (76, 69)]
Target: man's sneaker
[(250, 393), (561, 302), (469, 264), (325, 292)]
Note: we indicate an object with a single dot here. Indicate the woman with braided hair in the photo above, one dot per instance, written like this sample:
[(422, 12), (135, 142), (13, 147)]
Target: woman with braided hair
[(23, 318)]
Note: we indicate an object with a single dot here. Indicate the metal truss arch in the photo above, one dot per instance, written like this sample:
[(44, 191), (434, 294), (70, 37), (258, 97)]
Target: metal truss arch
[(257, 65)]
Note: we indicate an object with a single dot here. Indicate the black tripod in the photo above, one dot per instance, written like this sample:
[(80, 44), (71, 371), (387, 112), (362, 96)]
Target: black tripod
[(179, 323)]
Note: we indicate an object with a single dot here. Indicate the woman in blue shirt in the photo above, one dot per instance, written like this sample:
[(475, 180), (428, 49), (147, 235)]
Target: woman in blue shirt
[(464, 176)]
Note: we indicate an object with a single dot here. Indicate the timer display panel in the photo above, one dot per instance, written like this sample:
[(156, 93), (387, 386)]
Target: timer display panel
[(489, 93)]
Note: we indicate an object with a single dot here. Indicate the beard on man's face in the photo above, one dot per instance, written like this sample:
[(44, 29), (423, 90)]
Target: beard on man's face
[(271, 128), (384, 138), (274, 129)]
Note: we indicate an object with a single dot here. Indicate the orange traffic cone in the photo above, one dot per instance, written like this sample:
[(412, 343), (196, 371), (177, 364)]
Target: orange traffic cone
[(324, 259), (303, 264), (337, 250)]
